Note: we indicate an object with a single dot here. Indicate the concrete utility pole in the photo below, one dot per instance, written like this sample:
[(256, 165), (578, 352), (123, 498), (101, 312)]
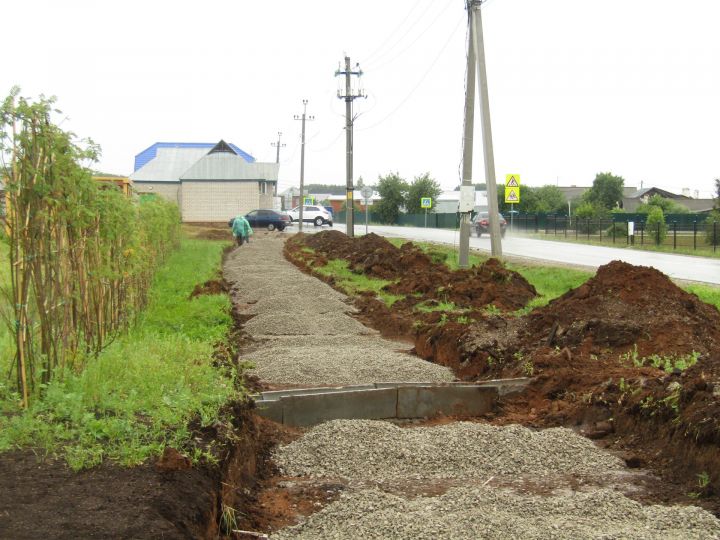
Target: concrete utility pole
[(479, 49), (302, 162), (349, 96), (464, 260), (278, 145)]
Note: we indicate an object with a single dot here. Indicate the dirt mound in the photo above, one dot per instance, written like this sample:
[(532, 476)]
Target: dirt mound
[(415, 273), (628, 306)]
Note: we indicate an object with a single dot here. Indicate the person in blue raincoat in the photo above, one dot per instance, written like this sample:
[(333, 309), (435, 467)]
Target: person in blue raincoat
[(241, 230)]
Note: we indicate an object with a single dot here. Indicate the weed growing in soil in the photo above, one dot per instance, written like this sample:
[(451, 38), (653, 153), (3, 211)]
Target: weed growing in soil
[(138, 396), (667, 363)]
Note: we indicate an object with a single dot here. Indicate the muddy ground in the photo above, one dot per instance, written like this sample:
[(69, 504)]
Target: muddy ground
[(594, 353)]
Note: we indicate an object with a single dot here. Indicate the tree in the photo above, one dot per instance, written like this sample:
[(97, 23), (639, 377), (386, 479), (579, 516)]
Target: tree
[(606, 191), (668, 206), (535, 200), (422, 186), (393, 189), (717, 193)]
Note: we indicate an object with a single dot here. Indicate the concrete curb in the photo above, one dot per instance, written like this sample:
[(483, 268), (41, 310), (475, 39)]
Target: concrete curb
[(310, 406)]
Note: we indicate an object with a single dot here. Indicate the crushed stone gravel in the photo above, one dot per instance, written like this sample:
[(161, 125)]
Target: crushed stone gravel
[(376, 450), (303, 328), (491, 513)]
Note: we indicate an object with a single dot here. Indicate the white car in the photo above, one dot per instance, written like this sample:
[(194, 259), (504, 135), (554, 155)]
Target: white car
[(312, 214)]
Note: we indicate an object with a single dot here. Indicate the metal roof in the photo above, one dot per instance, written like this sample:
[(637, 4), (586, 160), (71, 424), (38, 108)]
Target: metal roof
[(225, 166), (168, 164), (151, 152)]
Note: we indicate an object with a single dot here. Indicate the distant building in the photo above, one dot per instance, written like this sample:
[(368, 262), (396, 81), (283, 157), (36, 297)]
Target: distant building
[(449, 201), (632, 201), (209, 182)]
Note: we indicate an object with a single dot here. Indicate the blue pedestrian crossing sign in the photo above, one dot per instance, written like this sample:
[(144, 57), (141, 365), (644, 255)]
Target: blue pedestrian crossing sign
[(426, 202)]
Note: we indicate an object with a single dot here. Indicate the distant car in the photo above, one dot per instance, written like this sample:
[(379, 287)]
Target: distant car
[(481, 224), (268, 219), (312, 214)]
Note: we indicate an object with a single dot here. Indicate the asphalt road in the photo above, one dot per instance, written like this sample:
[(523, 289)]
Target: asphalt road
[(684, 267)]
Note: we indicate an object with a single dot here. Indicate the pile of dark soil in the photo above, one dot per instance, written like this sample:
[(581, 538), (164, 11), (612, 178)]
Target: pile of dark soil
[(413, 273)]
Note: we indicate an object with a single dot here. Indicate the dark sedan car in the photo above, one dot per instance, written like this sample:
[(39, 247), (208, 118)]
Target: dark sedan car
[(268, 219), (481, 224)]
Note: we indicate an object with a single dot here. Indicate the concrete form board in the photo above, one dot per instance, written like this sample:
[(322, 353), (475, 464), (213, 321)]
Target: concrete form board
[(277, 394), (427, 401), (272, 410), (310, 409)]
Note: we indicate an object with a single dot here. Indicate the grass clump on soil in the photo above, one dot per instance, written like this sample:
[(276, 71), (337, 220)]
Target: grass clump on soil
[(139, 394), (353, 283)]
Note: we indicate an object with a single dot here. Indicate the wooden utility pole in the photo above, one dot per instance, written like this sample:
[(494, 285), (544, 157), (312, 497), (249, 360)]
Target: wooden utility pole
[(349, 96), (278, 145), (302, 162)]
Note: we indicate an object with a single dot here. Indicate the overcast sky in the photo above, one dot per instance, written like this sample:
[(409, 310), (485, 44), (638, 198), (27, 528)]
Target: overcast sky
[(576, 87)]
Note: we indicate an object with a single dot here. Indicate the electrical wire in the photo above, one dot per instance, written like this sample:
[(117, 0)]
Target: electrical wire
[(370, 57), (421, 34), (422, 79), (399, 40)]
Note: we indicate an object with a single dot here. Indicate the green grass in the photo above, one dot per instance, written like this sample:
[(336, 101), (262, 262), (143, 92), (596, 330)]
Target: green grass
[(139, 394), (354, 284)]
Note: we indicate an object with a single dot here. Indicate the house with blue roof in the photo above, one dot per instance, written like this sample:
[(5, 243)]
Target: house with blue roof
[(210, 182)]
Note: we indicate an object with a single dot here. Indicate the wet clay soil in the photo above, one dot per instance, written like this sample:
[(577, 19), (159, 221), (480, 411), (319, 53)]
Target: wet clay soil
[(590, 352)]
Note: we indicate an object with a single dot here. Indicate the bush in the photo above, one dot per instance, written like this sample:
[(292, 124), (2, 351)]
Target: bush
[(656, 226)]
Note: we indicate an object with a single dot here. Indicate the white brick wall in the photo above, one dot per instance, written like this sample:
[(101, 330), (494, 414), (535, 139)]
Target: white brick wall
[(218, 201), (166, 190)]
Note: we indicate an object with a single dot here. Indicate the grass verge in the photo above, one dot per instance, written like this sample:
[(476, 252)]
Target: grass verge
[(138, 396)]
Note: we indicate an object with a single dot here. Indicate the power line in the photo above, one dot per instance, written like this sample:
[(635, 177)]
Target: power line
[(409, 45), (392, 33), (422, 79)]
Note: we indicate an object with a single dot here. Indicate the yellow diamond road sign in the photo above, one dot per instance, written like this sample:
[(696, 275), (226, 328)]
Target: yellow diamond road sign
[(512, 195), (512, 180)]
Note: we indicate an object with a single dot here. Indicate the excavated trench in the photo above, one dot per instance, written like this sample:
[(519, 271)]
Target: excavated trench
[(270, 502)]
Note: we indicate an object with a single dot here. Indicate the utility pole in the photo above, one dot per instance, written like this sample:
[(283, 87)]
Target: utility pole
[(479, 50), (302, 162), (349, 96), (278, 145), (464, 259)]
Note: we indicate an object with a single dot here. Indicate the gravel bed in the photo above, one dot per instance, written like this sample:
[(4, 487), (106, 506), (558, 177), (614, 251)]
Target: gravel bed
[(345, 361), (303, 325), (381, 451), (492, 513), (282, 324)]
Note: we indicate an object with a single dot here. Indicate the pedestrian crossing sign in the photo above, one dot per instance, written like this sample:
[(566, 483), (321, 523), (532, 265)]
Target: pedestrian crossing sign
[(512, 195), (425, 202), (512, 180)]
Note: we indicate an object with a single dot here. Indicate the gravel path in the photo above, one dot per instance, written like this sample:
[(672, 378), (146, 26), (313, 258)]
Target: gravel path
[(306, 336), (306, 332)]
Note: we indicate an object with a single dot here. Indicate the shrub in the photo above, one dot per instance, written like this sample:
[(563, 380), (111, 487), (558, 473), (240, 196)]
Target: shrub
[(655, 226)]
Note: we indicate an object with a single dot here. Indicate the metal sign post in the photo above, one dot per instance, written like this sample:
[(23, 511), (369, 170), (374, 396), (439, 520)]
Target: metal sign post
[(366, 193), (425, 202)]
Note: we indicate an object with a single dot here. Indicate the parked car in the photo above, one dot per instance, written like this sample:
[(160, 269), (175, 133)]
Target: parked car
[(267, 219), (312, 214), (481, 224)]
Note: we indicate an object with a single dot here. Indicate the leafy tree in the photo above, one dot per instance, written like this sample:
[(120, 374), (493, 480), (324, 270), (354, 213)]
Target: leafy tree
[(655, 225), (534, 200), (606, 191), (393, 189), (422, 186), (668, 206)]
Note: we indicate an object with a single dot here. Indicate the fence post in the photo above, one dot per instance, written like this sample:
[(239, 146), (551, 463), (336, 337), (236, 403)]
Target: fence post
[(642, 233), (600, 226), (695, 235), (588, 228), (657, 235), (566, 225), (715, 235), (577, 226), (537, 226), (674, 235)]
